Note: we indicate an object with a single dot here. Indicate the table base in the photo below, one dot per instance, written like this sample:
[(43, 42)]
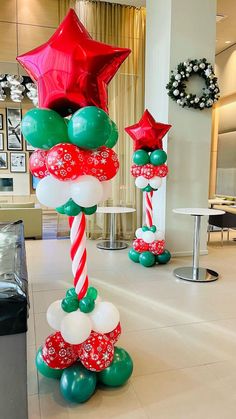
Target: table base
[(200, 275), (112, 245)]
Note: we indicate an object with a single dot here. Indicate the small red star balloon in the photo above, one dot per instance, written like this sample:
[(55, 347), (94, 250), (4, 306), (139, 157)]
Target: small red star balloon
[(71, 69), (147, 133)]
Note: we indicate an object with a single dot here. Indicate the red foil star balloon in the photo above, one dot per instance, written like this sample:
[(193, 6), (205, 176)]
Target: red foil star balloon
[(71, 69), (147, 133)]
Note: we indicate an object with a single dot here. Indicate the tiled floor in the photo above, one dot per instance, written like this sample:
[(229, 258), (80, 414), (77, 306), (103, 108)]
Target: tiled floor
[(181, 335)]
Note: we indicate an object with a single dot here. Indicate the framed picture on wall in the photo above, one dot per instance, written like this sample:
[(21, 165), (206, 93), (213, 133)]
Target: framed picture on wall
[(14, 137), (1, 141), (1, 121), (29, 147), (3, 161), (18, 163)]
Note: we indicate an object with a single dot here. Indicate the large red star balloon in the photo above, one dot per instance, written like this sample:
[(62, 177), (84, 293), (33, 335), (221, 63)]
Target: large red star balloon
[(147, 133), (71, 69)]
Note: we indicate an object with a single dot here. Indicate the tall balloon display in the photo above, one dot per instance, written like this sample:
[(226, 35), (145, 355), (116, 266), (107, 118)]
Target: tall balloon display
[(149, 168), (75, 163)]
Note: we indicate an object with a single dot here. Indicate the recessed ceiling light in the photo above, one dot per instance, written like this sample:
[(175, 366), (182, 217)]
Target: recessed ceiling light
[(227, 42)]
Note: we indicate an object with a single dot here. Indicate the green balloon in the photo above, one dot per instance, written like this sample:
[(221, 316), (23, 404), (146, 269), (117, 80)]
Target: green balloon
[(90, 210), (44, 128), (134, 256), (145, 228), (153, 229), (60, 209), (44, 369), (112, 140), (158, 157), (71, 208), (92, 293), (77, 384), (89, 127), (71, 292), (141, 157), (86, 305), (163, 258), (148, 188), (119, 371), (70, 304), (147, 259)]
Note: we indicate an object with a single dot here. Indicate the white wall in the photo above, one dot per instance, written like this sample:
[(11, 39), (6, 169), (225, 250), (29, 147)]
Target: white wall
[(226, 70), (176, 31)]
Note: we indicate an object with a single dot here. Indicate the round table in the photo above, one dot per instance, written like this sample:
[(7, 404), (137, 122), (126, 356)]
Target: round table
[(195, 273), (112, 243)]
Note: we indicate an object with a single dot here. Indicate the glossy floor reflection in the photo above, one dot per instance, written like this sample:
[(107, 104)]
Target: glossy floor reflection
[(181, 335)]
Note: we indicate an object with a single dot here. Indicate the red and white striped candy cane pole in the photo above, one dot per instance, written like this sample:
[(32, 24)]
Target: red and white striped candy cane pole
[(149, 210), (78, 254)]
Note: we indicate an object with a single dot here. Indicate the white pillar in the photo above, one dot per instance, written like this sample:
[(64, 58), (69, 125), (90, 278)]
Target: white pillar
[(178, 30)]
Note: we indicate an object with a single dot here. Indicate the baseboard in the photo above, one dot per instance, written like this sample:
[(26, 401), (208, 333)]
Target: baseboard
[(188, 253)]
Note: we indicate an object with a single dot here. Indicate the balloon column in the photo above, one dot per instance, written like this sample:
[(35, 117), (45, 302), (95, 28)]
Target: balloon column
[(149, 168), (75, 162)]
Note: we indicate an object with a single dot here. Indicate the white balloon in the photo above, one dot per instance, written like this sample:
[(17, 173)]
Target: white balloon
[(141, 182), (76, 327), (155, 182), (86, 191), (139, 233), (105, 317), (55, 315), (148, 236), (106, 190), (52, 192), (159, 235)]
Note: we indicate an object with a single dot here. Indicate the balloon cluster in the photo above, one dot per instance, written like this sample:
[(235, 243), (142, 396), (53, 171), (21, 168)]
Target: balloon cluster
[(82, 350), (149, 168), (74, 159), (74, 136)]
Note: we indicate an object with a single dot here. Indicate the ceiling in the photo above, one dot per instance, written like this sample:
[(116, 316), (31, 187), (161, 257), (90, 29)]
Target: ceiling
[(225, 29)]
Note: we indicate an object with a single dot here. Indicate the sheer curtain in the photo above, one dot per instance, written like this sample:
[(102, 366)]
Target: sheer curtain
[(122, 26)]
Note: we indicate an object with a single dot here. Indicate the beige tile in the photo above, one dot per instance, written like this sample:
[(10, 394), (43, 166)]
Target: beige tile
[(42, 299), (30, 37), (8, 51), (200, 392), (42, 329), (42, 13), (8, 10), (33, 407)]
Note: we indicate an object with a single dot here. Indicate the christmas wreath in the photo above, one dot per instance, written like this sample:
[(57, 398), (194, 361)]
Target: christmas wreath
[(177, 84)]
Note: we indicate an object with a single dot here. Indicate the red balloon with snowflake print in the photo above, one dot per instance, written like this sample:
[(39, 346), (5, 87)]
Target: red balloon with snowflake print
[(114, 334), (161, 171), (157, 247), (65, 161), (37, 164), (136, 170), (59, 354), (102, 163), (140, 245), (97, 352)]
